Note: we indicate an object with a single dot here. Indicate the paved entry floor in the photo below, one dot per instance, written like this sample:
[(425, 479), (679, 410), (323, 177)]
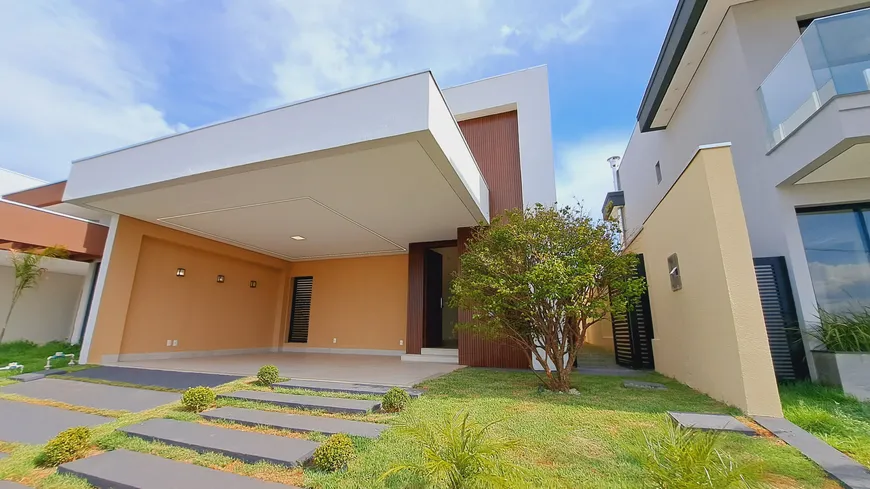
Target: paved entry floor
[(99, 396), (154, 378), (364, 369)]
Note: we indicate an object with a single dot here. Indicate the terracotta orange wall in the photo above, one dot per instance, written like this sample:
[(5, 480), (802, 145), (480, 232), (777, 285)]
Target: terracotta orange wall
[(362, 302), (197, 310), (143, 300)]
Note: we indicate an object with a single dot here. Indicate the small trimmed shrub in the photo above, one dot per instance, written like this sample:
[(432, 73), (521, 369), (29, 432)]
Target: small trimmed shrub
[(334, 453), (395, 400), (67, 446), (198, 399), (267, 375)]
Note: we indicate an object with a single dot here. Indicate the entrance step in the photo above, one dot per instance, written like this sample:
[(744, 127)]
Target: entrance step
[(445, 352), (344, 387), (328, 404), (134, 470), (434, 355), (295, 422), (243, 445)]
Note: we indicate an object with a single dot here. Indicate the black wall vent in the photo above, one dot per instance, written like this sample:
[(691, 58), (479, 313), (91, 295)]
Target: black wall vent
[(301, 312)]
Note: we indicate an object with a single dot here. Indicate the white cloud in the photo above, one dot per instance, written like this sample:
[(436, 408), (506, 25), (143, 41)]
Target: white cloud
[(324, 46), (582, 171), (67, 89)]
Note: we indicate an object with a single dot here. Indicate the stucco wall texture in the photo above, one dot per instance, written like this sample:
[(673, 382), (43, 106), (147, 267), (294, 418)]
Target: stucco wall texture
[(711, 333), (359, 301)]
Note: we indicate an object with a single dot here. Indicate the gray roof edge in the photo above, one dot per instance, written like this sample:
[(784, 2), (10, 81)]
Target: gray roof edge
[(617, 198), (686, 17)]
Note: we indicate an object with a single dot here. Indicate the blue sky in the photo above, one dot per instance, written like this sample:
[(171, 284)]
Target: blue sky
[(78, 77)]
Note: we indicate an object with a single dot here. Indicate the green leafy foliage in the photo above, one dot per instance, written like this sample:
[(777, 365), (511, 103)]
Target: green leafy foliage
[(540, 278), (844, 331), (334, 453), (395, 400), (198, 399), (688, 459), (28, 270), (267, 375), (67, 446), (459, 453)]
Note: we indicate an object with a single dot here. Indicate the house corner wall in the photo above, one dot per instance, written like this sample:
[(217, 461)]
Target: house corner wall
[(710, 334)]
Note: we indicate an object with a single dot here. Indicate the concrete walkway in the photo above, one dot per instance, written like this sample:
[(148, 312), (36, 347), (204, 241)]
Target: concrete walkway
[(32, 423), (364, 369), (99, 396), (167, 379)]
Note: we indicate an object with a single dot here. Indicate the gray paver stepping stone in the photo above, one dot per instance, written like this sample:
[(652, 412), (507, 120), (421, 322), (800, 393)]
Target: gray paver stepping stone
[(296, 422), (711, 422), (345, 387), (37, 375), (328, 404), (88, 394), (11, 485), (243, 445), (636, 384), (123, 469), (32, 423), (847, 471), (3, 455), (169, 379)]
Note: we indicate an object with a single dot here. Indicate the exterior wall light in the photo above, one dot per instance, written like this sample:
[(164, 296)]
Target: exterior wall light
[(253, 284), (179, 272), (220, 279)]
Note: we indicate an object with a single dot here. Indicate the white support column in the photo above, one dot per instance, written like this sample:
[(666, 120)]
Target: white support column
[(87, 293), (98, 290)]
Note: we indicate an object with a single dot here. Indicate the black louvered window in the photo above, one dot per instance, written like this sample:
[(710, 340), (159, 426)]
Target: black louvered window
[(780, 319), (301, 309)]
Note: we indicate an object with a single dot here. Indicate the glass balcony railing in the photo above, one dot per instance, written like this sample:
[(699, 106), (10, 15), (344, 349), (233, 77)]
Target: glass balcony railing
[(832, 57)]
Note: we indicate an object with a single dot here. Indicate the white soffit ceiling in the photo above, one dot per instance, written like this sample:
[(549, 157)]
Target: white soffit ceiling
[(365, 202), (711, 19), (854, 163)]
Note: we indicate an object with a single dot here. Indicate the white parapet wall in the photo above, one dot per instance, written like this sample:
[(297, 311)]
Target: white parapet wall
[(47, 312)]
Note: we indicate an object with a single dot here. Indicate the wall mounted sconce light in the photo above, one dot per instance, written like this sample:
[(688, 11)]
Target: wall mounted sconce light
[(179, 272), (220, 279), (253, 284)]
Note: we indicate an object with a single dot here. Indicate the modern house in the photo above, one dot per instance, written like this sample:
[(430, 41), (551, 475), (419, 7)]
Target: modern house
[(33, 217), (751, 152), (329, 225)]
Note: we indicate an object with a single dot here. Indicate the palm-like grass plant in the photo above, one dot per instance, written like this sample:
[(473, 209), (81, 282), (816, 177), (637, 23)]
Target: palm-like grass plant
[(28, 270), (688, 459), (459, 453), (847, 331)]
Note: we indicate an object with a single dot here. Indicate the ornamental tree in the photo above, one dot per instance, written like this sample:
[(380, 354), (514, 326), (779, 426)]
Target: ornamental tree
[(540, 278)]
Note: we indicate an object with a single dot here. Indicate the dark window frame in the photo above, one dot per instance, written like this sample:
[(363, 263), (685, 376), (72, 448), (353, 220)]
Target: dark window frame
[(293, 306)]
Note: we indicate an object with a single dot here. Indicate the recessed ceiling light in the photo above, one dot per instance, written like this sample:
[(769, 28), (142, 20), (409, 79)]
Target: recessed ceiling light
[(297, 238)]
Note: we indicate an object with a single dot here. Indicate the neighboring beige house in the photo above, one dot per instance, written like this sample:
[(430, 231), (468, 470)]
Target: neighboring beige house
[(57, 308), (777, 94)]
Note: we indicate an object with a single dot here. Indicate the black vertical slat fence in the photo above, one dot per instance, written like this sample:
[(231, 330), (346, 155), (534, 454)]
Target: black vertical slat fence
[(780, 319)]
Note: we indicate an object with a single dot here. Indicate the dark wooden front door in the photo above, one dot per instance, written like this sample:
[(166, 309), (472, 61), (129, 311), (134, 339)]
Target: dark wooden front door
[(432, 276)]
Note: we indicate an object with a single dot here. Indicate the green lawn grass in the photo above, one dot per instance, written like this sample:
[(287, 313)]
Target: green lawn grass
[(595, 439), (33, 356), (840, 420)]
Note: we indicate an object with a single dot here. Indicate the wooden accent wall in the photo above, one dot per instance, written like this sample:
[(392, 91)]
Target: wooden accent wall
[(495, 143), (477, 352)]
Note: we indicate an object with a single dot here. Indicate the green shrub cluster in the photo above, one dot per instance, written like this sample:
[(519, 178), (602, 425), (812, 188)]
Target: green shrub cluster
[(198, 399), (685, 458), (67, 446), (844, 331), (267, 375), (334, 453), (395, 400)]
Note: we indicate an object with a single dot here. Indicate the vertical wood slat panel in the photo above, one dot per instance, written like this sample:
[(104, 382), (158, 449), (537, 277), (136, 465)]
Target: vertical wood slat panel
[(416, 299), (478, 352), (494, 142)]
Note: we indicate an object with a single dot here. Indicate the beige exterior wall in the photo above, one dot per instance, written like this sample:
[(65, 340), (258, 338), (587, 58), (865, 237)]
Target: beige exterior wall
[(362, 302), (44, 313), (601, 335), (711, 334)]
